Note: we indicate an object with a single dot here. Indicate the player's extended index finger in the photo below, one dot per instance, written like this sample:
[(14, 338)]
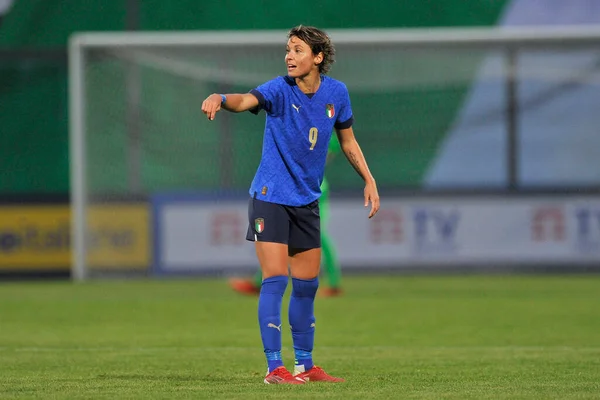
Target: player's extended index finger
[(213, 111)]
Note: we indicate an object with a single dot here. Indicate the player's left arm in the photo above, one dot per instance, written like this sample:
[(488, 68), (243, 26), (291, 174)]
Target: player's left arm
[(355, 156)]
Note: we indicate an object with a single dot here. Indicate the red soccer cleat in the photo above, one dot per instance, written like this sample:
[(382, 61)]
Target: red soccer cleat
[(330, 292), (281, 376), (316, 374), (244, 286)]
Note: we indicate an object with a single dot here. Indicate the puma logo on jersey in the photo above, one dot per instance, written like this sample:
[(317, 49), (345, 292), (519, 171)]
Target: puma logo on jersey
[(313, 325), (271, 325), (297, 108)]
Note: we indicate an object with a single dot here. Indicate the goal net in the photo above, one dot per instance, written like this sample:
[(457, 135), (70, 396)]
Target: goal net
[(140, 143)]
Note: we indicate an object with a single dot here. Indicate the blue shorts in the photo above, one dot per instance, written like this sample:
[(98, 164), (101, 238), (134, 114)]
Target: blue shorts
[(298, 227)]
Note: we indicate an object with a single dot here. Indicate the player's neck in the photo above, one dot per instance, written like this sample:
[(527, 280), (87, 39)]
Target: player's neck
[(309, 83)]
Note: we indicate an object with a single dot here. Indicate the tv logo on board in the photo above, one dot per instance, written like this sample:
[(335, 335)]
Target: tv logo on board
[(588, 229), (435, 230)]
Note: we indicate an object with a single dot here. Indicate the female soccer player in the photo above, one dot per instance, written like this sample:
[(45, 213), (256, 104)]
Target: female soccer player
[(302, 110)]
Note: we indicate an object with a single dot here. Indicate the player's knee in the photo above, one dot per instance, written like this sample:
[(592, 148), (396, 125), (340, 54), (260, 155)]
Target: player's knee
[(274, 285), (305, 287)]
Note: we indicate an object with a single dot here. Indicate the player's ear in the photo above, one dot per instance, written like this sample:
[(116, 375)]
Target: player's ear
[(319, 58)]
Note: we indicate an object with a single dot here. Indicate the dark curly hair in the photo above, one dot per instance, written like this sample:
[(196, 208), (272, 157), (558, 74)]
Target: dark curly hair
[(318, 41)]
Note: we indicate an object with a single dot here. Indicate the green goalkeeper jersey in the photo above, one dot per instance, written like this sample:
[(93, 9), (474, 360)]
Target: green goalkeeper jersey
[(333, 149)]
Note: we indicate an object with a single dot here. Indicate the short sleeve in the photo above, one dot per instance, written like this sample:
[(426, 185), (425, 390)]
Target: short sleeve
[(345, 118), (269, 96)]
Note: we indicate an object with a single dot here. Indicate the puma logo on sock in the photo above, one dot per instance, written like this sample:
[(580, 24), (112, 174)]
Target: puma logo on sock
[(272, 325)]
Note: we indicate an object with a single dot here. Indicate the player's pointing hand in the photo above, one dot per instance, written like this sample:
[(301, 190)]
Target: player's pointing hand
[(211, 105)]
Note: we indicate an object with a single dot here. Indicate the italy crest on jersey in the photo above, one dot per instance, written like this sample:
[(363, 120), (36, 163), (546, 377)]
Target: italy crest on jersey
[(259, 225), (330, 110)]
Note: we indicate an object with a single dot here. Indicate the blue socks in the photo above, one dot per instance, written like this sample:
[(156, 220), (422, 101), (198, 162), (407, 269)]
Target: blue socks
[(302, 320), (269, 318)]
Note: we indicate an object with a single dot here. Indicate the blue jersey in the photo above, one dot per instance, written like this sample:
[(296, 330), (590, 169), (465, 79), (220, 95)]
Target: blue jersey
[(296, 138)]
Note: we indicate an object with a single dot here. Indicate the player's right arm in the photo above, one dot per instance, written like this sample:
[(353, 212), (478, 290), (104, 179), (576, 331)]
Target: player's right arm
[(234, 102)]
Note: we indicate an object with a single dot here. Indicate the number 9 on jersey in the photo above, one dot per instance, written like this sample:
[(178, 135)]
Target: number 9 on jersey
[(313, 133)]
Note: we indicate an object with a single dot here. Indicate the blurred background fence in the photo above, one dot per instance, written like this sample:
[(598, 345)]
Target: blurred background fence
[(485, 155)]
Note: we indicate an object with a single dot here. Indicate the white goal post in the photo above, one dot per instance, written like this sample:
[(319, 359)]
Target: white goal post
[(135, 108)]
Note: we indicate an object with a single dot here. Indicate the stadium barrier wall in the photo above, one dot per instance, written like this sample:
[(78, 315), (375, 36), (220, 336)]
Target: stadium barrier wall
[(176, 234), (195, 234)]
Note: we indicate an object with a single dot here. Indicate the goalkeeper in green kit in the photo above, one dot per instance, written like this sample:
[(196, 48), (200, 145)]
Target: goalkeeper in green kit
[(330, 262)]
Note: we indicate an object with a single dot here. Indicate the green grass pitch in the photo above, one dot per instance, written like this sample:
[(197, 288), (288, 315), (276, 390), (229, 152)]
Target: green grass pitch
[(398, 337)]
